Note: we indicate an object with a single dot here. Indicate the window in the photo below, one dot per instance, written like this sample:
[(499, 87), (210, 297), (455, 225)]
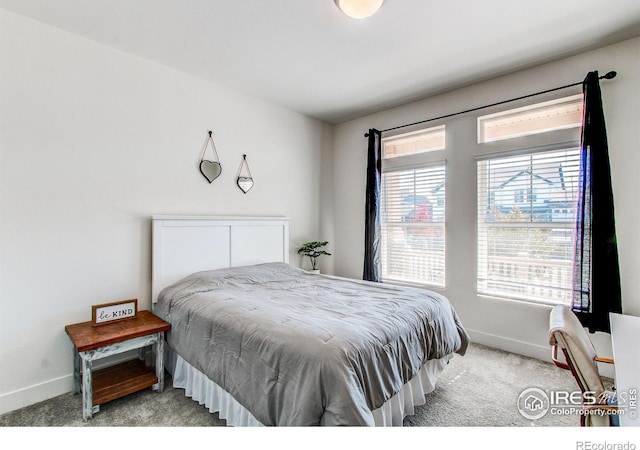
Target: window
[(558, 114), (413, 213), (414, 143), (526, 217), (413, 207)]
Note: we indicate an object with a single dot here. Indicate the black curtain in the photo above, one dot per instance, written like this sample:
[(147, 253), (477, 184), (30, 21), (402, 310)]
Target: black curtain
[(596, 274), (372, 265)]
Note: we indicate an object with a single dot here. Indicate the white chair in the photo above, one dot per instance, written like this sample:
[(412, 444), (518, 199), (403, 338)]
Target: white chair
[(567, 334)]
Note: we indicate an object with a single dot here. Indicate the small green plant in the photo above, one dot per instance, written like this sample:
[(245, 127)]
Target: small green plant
[(313, 250)]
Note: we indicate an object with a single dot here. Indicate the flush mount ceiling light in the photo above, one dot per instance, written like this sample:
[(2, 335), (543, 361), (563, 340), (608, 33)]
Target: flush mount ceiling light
[(359, 9)]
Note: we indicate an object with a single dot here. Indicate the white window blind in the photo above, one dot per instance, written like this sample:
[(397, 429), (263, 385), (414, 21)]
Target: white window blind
[(526, 218), (413, 224)]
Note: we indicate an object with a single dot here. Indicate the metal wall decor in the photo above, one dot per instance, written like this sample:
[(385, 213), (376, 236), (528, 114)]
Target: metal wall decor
[(244, 181), (210, 169)]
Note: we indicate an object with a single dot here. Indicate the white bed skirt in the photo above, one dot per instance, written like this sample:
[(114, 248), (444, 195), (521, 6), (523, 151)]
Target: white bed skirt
[(201, 389)]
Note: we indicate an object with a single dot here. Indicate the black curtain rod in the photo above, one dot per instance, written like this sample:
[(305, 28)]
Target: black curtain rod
[(608, 76)]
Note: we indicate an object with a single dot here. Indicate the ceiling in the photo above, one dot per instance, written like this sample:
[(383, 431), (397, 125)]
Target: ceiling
[(309, 57)]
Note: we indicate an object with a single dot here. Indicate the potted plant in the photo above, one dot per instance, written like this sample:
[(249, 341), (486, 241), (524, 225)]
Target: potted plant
[(313, 250)]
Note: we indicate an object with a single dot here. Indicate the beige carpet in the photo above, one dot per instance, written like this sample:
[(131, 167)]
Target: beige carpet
[(478, 390)]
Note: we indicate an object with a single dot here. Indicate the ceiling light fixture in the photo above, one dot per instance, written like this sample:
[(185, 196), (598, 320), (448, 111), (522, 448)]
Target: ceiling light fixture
[(359, 9)]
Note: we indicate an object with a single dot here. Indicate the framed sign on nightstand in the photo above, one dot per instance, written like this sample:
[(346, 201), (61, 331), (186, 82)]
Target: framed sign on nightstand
[(114, 311)]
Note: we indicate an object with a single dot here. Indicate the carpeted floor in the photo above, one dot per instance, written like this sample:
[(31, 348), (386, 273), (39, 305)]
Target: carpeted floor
[(478, 390)]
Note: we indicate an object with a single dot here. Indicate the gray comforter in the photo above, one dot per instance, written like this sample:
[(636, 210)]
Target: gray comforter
[(290, 346)]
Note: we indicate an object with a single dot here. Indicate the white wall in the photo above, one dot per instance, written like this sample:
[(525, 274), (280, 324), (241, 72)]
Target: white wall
[(515, 326), (93, 142)]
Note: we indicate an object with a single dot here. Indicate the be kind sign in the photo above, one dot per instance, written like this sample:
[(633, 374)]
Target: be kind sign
[(111, 312)]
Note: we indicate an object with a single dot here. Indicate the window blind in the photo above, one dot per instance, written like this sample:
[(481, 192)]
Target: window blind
[(413, 224), (526, 219)]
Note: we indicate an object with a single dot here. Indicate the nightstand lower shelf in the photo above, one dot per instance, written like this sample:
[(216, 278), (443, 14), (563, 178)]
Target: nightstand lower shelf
[(122, 379)]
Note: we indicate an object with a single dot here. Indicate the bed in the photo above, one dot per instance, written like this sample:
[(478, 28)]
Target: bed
[(263, 342)]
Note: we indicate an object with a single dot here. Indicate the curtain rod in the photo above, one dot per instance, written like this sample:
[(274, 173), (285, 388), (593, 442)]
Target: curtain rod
[(608, 76)]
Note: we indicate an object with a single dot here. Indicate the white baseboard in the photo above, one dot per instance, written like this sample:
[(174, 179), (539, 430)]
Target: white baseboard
[(526, 349), (35, 394), (52, 388), (511, 345)]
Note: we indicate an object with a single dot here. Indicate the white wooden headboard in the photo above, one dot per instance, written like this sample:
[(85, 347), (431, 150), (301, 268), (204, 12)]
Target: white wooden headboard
[(182, 245)]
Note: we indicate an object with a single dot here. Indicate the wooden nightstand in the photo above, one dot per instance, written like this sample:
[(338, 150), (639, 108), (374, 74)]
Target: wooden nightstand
[(94, 342)]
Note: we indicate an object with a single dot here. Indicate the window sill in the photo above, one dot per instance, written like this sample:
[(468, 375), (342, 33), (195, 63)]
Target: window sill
[(415, 284), (519, 300)]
